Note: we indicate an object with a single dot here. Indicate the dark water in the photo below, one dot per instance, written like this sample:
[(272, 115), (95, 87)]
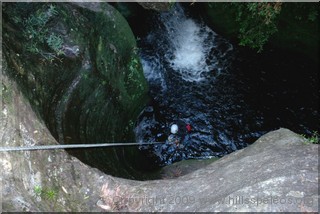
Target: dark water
[(230, 96)]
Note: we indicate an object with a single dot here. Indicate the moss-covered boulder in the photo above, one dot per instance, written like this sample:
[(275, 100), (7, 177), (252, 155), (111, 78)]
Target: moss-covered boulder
[(78, 66)]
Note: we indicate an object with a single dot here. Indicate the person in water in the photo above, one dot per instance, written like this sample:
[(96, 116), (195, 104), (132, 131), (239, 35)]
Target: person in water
[(188, 127), (173, 137), (187, 137)]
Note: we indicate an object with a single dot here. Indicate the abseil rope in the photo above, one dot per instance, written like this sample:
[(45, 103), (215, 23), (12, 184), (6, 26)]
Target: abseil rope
[(70, 146)]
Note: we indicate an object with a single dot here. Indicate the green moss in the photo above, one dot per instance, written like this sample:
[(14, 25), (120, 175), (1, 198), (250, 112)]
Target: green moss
[(313, 139), (97, 94), (118, 62)]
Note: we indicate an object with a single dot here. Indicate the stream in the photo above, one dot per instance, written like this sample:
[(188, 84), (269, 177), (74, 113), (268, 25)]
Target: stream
[(229, 95)]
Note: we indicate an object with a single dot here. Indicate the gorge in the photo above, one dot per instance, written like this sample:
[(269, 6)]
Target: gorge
[(106, 88)]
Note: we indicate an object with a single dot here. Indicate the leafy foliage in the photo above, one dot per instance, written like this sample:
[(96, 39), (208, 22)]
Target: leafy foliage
[(55, 43), (37, 190), (257, 22), (314, 139), (48, 194), (36, 29), (312, 16)]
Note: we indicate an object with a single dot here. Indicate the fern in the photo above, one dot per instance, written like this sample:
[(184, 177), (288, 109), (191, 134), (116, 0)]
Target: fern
[(55, 43), (37, 32)]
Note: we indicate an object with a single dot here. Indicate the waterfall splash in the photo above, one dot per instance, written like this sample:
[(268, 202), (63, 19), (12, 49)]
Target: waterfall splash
[(193, 44), (187, 67), (229, 96), (193, 50)]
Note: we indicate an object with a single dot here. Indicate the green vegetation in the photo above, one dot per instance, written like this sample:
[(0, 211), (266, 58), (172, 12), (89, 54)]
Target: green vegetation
[(293, 26), (256, 23), (37, 190), (252, 23), (47, 193), (298, 26), (313, 139), (50, 194), (6, 93), (36, 30)]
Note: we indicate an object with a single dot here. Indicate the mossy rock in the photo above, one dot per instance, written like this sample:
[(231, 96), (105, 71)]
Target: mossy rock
[(93, 92)]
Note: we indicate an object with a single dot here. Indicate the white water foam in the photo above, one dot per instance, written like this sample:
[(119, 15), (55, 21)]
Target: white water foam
[(151, 71), (192, 43), (189, 48)]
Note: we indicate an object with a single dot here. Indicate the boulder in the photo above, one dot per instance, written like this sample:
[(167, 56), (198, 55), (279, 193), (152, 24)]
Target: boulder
[(279, 172), (88, 86)]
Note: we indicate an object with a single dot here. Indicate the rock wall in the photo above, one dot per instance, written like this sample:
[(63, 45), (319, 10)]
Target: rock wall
[(39, 180), (92, 92), (279, 172)]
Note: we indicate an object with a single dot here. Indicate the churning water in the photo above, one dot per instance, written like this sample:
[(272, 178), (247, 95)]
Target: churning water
[(191, 46), (187, 46), (187, 66), (197, 77)]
